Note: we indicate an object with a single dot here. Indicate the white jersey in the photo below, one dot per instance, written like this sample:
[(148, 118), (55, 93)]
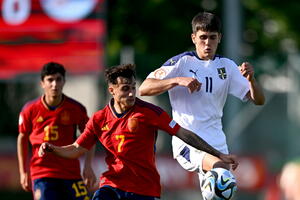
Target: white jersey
[(201, 112)]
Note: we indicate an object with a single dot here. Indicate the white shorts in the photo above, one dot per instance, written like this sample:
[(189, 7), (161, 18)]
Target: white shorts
[(191, 159)]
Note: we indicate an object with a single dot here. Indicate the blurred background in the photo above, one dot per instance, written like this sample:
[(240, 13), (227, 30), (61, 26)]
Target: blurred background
[(89, 35)]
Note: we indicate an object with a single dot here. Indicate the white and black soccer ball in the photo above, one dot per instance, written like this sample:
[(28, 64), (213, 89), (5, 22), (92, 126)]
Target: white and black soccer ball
[(218, 184), (208, 186)]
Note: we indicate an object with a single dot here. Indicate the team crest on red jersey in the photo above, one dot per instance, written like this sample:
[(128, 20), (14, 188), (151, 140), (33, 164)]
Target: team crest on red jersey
[(65, 117), (133, 124)]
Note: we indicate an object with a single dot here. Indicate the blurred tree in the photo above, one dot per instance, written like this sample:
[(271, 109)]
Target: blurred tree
[(13, 95), (270, 33), (271, 26), (158, 29)]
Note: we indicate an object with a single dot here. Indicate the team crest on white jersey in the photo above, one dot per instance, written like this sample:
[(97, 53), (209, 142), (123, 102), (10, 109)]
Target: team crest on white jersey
[(222, 73)]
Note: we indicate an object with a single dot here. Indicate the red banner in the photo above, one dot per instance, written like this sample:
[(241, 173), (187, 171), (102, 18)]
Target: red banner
[(33, 32), (251, 174)]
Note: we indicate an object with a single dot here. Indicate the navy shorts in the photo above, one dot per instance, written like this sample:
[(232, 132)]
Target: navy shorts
[(59, 189), (111, 193)]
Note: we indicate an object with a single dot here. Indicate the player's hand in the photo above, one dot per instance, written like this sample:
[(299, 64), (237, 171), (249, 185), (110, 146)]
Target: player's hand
[(25, 181), (89, 178), (191, 83), (230, 159), (45, 148), (247, 70)]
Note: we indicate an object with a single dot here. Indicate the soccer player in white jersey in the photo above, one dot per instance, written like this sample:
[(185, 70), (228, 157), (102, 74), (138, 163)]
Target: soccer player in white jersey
[(198, 83)]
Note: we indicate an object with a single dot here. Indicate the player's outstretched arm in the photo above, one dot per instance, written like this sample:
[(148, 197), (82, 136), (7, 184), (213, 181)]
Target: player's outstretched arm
[(71, 151), (198, 143), (151, 86)]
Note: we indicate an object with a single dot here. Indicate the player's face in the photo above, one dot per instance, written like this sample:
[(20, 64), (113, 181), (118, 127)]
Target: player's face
[(206, 43), (53, 85), (124, 93)]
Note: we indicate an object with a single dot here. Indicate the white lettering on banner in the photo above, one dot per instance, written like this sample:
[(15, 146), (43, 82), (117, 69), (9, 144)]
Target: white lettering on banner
[(16, 12), (68, 10)]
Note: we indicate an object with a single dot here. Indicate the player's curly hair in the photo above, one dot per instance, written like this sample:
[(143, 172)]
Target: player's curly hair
[(52, 68), (124, 70), (207, 22)]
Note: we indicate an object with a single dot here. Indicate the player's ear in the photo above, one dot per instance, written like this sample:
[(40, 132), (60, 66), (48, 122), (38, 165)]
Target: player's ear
[(111, 90), (193, 38), (220, 37), (42, 84)]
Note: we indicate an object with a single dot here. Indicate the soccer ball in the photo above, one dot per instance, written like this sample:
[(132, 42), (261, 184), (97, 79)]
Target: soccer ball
[(208, 186), (218, 184)]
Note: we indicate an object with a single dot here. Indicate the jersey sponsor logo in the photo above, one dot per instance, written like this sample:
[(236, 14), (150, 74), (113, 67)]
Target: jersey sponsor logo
[(172, 124), (160, 73), (194, 72), (39, 119), (222, 73), (172, 61), (105, 128)]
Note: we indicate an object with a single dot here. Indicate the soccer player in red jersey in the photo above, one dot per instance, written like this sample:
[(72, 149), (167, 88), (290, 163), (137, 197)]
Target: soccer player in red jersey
[(127, 128), (53, 118)]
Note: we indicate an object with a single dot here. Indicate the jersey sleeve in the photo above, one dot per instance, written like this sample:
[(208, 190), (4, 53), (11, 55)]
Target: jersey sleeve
[(169, 69), (166, 123), (89, 137), (239, 85), (25, 125)]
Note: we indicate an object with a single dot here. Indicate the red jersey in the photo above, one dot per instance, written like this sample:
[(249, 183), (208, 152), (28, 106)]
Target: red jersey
[(57, 127), (130, 144)]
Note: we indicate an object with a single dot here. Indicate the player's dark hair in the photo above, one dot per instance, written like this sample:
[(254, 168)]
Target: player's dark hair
[(125, 70), (52, 68), (207, 22)]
